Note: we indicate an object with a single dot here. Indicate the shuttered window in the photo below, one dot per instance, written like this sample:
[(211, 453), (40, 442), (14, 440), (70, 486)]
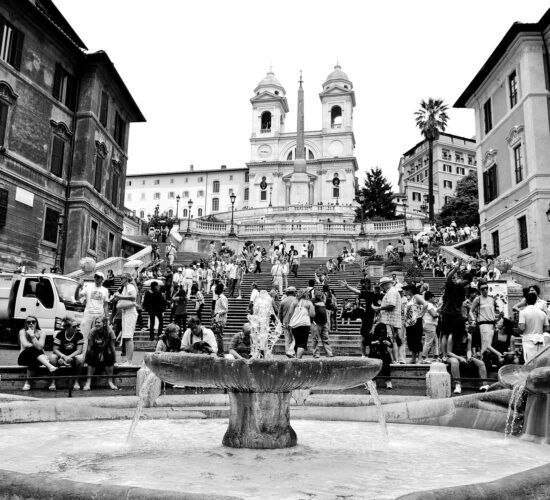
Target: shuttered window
[(58, 151), (120, 130), (98, 175), (11, 44), (104, 111), (50, 225), (4, 193), (114, 188), (64, 87), (3, 122)]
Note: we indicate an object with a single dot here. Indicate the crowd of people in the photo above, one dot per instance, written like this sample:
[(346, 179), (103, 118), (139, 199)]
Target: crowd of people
[(465, 327)]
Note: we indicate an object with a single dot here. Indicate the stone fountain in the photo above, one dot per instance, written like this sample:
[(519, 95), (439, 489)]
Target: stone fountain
[(260, 388), (534, 379)]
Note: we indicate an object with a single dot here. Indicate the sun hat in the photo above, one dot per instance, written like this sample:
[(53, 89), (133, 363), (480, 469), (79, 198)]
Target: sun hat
[(100, 274), (384, 280)]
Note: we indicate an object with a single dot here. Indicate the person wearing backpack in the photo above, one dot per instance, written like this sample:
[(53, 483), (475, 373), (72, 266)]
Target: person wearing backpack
[(300, 314)]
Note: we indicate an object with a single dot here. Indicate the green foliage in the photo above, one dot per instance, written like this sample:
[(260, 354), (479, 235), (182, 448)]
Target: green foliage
[(412, 273), (463, 208), (366, 252), (432, 118), (378, 195)]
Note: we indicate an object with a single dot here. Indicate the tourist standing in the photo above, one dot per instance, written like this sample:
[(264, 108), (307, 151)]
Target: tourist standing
[(310, 248), (258, 260), (187, 279), (96, 298), (534, 326), (429, 325), (177, 280), (391, 315), (168, 282), (127, 302), (483, 314), (171, 254), (155, 304), (414, 310), (319, 327), (301, 312), (295, 263), (220, 317), (284, 315), (231, 270), (277, 273)]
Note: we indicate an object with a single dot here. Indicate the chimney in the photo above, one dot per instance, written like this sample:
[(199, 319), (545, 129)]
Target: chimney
[(191, 167)]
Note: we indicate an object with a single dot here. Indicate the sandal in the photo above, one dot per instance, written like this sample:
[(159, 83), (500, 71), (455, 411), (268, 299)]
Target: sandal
[(86, 388)]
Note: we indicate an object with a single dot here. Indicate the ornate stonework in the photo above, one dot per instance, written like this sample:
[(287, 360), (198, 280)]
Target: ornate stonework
[(515, 135), (490, 158), (7, 94), (61, 130), (101, 148)]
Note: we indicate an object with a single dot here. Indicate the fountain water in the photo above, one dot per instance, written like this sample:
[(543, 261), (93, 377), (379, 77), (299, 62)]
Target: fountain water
[(260, 388), (144, 399), (512, 416), (371, 386)]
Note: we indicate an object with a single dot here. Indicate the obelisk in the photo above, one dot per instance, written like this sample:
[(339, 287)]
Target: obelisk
[(299, 181)]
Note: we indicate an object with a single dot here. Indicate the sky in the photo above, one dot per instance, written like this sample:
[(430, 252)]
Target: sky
[(191, 66)]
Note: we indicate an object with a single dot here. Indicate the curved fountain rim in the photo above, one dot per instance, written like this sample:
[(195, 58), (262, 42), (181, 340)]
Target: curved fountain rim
[(27, 486)]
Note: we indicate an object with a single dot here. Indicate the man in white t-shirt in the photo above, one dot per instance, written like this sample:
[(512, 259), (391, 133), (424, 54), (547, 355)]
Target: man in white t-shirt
[(198, 333), (534, 324), (96, 298)]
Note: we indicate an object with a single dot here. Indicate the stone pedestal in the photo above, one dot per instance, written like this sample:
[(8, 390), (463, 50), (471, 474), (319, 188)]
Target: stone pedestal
[(438, 381), (259, 420)]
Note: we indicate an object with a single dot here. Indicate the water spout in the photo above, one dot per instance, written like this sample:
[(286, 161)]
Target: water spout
[(512, 416), (143, 398), (371, 386)]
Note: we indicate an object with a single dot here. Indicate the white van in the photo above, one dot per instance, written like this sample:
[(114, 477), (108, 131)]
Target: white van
[(49, 297)]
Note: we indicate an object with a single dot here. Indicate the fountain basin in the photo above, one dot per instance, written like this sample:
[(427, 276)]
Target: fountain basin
[(262, 375), (259, 389)]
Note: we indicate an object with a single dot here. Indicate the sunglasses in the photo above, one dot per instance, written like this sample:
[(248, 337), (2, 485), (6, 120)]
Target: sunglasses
[(484, 288), (31, 322)]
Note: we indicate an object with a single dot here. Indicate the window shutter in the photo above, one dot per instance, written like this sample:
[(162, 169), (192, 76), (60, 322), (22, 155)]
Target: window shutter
[(4, 193), (104, 109), (17, 48), (98, 173), (58, 149), (114, 189), (70, 100), (3, 122), (57, 81)]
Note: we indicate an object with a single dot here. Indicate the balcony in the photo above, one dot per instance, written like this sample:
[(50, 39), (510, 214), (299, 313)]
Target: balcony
[(265, 130)]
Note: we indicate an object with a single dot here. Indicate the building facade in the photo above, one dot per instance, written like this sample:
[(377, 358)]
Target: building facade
[(454, 157), (64, 126), (269, 178), (510, 96)]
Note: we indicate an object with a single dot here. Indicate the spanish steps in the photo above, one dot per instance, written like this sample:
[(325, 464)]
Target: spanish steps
[(344, 341)]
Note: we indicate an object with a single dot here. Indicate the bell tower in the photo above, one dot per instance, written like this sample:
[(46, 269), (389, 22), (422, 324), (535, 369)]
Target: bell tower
[(269, 107), (338, 101)]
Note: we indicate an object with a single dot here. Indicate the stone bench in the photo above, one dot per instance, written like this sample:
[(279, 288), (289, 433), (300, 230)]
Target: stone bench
[(124, 377)]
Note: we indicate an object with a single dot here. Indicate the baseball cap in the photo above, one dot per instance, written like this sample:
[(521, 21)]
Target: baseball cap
[(385, 279)]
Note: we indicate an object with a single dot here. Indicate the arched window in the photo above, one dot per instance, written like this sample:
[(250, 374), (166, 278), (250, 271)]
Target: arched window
[(308, 153), (216, 187), (265, 122), (184, 213), (215, 204), (336, 117), (170, 213), (199, 212)]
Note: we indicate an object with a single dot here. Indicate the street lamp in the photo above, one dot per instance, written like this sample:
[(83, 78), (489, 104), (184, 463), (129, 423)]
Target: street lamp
[(232, 198), (270, 191), (362, 201), (188, 232), (178, 198)]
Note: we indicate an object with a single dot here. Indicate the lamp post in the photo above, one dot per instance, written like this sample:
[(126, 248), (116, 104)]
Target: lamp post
[(232, 198), (178, 198), (188, 232), (270, 191), (362, 201)]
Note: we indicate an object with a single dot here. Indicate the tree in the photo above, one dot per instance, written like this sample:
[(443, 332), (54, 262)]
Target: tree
[(431, 119), (463, 208), (378, 196)]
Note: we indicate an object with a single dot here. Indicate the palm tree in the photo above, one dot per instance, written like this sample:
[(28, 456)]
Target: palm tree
[(431, 119)]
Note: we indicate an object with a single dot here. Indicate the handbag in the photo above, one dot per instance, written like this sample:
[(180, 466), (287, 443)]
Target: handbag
[(300, 317), (122, 305)]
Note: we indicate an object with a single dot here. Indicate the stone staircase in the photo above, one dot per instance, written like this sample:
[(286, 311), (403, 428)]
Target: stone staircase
[(345, 341)]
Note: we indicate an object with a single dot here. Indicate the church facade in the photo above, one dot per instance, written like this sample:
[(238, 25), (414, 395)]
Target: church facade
[(269, 179)]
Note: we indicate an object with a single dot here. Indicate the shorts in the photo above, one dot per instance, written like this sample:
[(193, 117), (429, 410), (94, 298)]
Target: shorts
[(129, 318), (451, 323)]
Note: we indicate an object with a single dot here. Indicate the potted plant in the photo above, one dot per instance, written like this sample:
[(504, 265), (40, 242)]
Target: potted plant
[(393, 263)]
